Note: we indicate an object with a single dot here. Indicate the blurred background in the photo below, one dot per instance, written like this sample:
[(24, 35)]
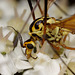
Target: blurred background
[(7, 9)]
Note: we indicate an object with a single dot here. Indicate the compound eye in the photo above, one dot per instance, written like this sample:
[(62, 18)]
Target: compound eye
[(30, 46)]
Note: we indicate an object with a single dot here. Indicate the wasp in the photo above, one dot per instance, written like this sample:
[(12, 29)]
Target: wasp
[(56, 33)]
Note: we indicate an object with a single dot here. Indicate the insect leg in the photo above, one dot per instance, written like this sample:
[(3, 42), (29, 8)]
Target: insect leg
[(31, 8), (65, 38), (29, 16), (45, 14), (64, 46), (57, 48), (40, 8)]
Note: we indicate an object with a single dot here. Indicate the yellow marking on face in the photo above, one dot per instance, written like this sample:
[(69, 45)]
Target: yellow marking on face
[(28, 51), (31, 42)]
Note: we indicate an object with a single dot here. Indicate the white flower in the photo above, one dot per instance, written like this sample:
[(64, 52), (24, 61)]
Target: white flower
[(43, 65), (13, 62), (4, 69)]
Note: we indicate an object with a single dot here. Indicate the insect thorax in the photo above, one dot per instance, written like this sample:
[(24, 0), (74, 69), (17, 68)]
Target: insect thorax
[(53, 34)]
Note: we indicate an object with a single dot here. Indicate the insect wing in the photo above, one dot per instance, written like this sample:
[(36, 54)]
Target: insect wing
[(69, 23)]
